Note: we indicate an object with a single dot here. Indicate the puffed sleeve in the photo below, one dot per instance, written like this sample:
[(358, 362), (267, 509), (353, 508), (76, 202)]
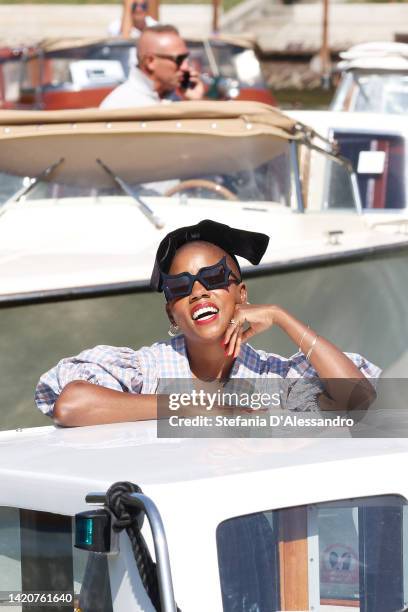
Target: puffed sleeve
[(108, 366), (303, 386)]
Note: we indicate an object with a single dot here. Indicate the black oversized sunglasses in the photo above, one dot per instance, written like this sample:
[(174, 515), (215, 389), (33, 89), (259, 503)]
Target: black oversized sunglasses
[(216, 276), (177, 59), (142, 5)]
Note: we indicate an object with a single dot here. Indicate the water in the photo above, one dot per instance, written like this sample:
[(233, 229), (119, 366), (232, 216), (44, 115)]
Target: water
[(304, 99)]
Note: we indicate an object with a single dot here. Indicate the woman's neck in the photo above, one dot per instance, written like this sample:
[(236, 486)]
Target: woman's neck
[(209, 362)]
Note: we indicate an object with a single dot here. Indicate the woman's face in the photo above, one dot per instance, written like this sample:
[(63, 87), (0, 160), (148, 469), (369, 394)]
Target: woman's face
[(204, 315)]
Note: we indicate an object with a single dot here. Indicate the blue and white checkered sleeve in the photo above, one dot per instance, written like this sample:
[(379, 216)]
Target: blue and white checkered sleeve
[(367, 368), (107, 366), (300, 367), (305, 386)]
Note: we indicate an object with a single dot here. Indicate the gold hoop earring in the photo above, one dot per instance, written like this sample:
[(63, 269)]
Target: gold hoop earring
[(173, 330)]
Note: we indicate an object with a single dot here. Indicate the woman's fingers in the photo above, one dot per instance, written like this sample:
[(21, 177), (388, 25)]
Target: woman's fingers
[(230, 348), (238, 344), (248, 333), (259, 318), (234, 340), (231, 329)]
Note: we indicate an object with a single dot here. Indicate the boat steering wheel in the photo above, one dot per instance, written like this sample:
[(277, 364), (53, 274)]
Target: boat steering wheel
[(202, 184)]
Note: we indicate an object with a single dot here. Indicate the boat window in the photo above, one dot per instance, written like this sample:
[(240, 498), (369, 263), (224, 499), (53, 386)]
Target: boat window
[(254, 173), (343, 93), (238, 63), (229, 61), (381, 93), (11, 81), (9, 185), (380, 163), (248, 563), (336, 188), (344, 556), (102, 64), (37, 554)]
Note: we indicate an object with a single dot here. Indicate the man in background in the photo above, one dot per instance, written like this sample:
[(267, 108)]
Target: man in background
[(135, 19), (163, 71)]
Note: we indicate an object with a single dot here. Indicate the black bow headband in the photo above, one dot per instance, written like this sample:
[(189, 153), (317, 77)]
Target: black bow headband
[(249, 245)]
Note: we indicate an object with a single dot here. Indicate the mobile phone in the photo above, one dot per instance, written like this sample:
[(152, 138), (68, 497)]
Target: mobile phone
[(186, 82)]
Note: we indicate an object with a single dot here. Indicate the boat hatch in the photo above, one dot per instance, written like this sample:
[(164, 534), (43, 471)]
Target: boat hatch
[(344, 556)]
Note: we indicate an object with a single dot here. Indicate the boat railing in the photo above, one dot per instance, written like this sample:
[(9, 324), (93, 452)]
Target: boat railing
[(140, 502)]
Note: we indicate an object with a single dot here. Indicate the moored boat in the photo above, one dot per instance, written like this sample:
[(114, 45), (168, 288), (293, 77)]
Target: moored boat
[(267, 525), (376, 146), (78, 237), (77, 72), (374, 78)]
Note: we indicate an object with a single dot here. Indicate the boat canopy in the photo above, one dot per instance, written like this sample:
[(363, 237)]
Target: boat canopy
[(379, 56), (143, 142)]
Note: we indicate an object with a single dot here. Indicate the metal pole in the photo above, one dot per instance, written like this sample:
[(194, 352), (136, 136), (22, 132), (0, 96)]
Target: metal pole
[(160, 548), (324, 51), (356, 192), (144, 503), (216, 11), (296, 176)]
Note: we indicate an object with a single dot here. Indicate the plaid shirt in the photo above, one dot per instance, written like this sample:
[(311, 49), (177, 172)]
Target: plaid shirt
[(144, 371)]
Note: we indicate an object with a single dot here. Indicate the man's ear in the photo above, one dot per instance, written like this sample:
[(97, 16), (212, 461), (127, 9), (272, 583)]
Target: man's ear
[(243, 293), (148, 64)]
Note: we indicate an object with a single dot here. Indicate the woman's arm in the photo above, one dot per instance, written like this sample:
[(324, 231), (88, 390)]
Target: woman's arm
[(83, 403), (126, 23), (343, 381)]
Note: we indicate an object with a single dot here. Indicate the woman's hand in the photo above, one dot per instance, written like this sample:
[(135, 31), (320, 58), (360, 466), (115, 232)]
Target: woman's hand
[(345, 385), (258, 318)]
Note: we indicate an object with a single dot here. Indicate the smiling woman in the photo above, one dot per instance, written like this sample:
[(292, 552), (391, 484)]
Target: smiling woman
[(211, 321)]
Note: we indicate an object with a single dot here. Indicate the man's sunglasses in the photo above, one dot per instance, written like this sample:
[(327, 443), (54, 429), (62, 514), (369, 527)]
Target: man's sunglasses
[(142, 5), (211, 277), (177, 59)]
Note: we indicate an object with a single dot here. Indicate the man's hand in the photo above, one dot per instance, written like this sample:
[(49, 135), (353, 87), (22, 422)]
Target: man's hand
[(197, 92)]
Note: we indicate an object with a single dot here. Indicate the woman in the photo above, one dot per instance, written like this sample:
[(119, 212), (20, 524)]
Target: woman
[(210, 321)]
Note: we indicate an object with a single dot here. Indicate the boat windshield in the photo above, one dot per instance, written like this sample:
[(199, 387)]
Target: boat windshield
[(380, 163), (230, 61), (232, 171), (376, 93), (110, 63), (346, 555)]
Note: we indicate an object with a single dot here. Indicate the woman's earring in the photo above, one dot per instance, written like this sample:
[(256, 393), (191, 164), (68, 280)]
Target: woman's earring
[(174, 330)]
